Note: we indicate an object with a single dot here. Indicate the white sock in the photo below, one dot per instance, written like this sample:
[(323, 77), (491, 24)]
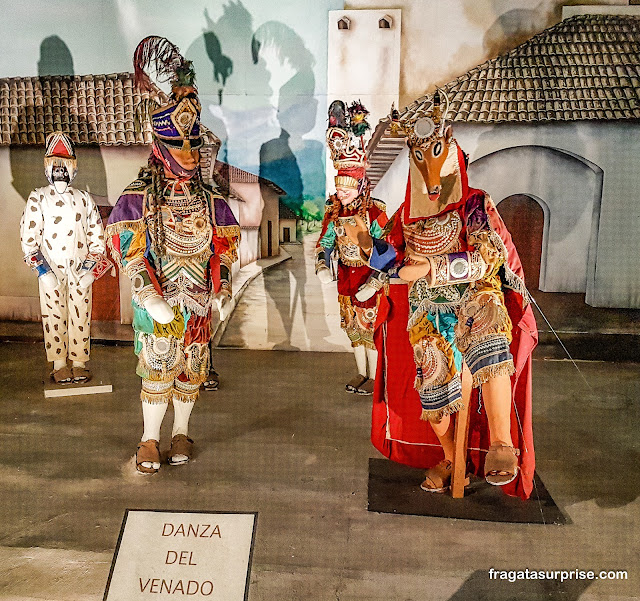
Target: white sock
[(152, 415), (80, 364), (372, 362), (59, 364), (181, 414), (361, 359)]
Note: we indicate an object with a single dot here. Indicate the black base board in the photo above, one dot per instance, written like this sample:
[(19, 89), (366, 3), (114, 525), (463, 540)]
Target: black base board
[(395, 488)]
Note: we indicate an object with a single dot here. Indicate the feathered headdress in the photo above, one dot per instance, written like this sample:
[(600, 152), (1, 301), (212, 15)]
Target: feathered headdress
[(345, 126), (176, 124), (424, 125)]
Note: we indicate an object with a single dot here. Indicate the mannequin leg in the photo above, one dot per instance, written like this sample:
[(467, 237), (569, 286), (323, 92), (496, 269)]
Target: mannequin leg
[(497, 400), (361, 359), (155, 399), (79, 304), (53, 307), (444, 430), (184, 398), (372, 362)]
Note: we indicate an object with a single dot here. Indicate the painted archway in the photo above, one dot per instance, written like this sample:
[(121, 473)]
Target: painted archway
[(569, 190), (525, 220)]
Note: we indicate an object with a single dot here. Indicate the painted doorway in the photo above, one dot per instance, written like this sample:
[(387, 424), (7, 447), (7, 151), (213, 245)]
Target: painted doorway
[(524, 219)]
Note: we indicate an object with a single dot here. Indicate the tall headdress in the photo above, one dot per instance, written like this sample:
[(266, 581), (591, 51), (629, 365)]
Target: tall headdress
[(346, 128), (177, 123), (59, 152), (423, 126)]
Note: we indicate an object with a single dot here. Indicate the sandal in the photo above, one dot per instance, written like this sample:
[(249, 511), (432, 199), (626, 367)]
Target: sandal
[(80, 375), (62, 376), (355, 383), (366, 387), (148, 452), (213, 380), (438, 478), (501, 464), (181, 450)]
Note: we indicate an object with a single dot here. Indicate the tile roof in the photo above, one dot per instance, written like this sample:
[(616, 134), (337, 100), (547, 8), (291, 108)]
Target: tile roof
[(92, 109), (285, 212), (586, 67)]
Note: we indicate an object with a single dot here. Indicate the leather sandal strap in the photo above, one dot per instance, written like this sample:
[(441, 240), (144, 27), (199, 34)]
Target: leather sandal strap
[(148, 451), (181, 445)]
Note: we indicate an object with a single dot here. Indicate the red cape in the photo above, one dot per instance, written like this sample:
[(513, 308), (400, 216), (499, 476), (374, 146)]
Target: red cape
[(396, 429)]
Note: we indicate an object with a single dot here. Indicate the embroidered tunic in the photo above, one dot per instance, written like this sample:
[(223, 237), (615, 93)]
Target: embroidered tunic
[(458, 309), (357, 318), (187, 267)]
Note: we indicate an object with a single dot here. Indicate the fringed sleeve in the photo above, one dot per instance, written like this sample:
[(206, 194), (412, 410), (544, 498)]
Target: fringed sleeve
[(127, 240), (224, 244)]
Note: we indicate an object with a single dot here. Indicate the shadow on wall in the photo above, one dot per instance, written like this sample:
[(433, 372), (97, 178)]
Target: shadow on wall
[(480, 586), (27, 152), (518, 25), (257, 91)]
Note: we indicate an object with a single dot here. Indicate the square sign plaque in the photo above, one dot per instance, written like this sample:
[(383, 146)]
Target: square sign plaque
[(182, 555)]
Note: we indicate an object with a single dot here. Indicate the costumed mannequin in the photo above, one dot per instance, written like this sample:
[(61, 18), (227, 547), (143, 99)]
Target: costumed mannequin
[(176, 239), (63, 242), (349, 205), (465, 304)]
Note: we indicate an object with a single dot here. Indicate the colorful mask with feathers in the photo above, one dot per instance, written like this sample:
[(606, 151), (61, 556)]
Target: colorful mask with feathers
[(176, 124), (346, 127)]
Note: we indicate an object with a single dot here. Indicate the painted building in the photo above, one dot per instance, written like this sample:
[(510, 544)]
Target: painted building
[(552, 128), (97, 111), (288, 224)]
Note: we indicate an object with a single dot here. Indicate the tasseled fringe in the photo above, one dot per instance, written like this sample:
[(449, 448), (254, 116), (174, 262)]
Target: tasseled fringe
[(185, 397), (491, 371), (114, 229), (190, 305), (228, 231), (114, 253), (201, 257), (502, 327), (156, 398), (427, 306), (363, 342), (436, 415), (516, 283)]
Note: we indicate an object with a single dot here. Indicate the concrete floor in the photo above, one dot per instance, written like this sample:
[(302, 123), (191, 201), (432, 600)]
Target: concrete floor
[(281, 437)]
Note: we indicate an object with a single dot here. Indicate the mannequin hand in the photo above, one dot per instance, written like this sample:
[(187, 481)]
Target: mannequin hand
[(159, 309), (365, 293), (411, 273), (49, 280), (86, 280), (224, 306), (324, 275), (359, 234)]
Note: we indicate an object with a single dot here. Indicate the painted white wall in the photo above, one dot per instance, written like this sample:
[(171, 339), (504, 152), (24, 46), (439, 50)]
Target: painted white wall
[(18, 284), (538, 171), (121, 165), (392, 187), (444, 39), (614, 147), (363, 64), (572, 11)]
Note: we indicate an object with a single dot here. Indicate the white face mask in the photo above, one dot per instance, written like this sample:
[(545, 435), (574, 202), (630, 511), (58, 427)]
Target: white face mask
[(60, 178), (60, 186)]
